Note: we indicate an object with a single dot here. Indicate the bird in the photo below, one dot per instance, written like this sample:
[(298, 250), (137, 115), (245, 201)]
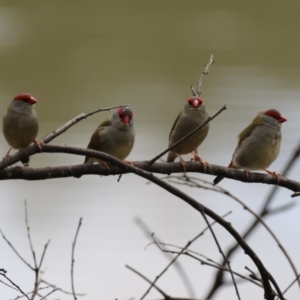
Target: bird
[(193, 114), (258, 144), (115, 136), (20, 123)]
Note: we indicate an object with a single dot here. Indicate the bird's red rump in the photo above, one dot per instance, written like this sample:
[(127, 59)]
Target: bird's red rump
[(27, 98), (276, 115), (195, 101)]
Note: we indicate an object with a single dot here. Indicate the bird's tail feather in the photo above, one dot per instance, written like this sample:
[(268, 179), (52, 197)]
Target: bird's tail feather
[(219, 178)]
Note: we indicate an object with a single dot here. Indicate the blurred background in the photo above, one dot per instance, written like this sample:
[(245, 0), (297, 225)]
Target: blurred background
[(78, 56)]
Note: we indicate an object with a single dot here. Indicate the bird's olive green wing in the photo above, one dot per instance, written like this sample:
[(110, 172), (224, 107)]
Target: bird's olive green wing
[(249, 129), (174, 125), (95, 141)]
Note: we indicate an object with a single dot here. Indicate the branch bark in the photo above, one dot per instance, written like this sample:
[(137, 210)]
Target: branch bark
[(28, 173)]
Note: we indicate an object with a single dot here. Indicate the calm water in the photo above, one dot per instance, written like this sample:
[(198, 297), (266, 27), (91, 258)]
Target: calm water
[(77, 57)]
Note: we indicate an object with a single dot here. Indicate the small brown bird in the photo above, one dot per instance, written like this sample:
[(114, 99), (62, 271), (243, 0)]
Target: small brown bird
[(20, 123), (115, 136), (259, 143), (193, 114)]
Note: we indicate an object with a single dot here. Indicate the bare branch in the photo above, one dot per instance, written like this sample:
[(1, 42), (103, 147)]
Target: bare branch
[(162, 168)]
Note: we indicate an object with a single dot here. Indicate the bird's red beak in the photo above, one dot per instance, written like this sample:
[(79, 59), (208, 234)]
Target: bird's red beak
[(282, 119), (195, 101), (126, 120)]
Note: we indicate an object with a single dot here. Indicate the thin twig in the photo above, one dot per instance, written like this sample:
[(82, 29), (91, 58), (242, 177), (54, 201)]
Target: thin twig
[(149, 281), (193, 91), (62, 290), (222, 253), (43, 254), (219, 266), (28, 235), (253, 275), (39, 289), (36, 269), (204, 73), (73, 260), (177, 265), (281, 208), (16, 252), (51, 292), (74, 121), (291, 284), (153, 160), (10, 286), (209, 262), (15, 285), (175, 258)]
